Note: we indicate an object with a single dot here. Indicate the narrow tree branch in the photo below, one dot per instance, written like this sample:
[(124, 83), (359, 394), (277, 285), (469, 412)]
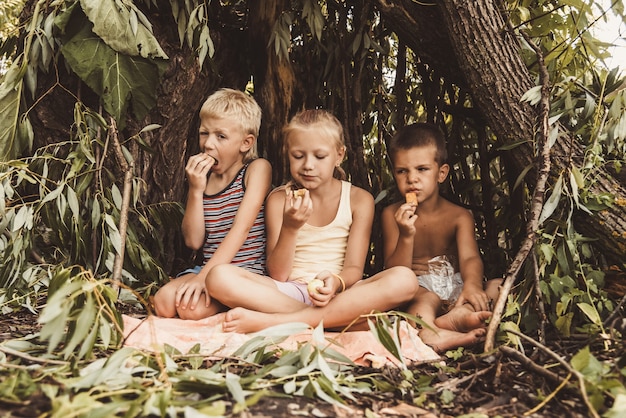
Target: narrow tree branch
[(128, 169), (39, 360), (530, 365), (540, 306)]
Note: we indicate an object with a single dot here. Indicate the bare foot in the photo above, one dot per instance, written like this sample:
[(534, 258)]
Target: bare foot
[(442, 339), (243, 320), (462, 319)]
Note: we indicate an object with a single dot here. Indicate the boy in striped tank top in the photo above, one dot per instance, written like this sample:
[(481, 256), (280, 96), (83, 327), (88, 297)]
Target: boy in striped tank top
[(224, 213)]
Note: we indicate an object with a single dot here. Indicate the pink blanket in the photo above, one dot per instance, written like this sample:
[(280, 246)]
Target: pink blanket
[(362, 347)]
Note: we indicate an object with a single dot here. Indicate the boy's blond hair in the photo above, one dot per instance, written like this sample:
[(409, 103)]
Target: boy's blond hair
[(238, 105)]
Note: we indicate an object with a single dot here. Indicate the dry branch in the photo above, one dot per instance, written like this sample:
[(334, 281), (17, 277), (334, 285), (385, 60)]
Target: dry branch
[(128, 168)]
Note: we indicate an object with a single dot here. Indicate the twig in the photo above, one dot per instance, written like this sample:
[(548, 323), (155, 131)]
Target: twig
[(548, 398), (128, 169), (536, 206), (561, 360), (615, 311), (540, 306), (453, 383), (529, 364)]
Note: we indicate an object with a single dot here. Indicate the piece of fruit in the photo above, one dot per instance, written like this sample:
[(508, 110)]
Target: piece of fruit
[(411, 197), (294, 190), (313, 285)]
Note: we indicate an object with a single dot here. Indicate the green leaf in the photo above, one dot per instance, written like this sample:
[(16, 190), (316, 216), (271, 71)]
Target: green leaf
[(532, 96), (195, 361), (10, 95), (284, 330), (22, 218), (521, 176), (619, 407), (553, 201), (88, 343), (513, 338), (235, 389), (114, 23), (72, 201), (380, 327), (587, 364), (114, 233), (121, 81), (150, 127), (591, 312), (84, 323)]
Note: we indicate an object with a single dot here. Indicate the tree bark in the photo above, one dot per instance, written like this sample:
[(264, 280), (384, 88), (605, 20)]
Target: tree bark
[(274, 83)]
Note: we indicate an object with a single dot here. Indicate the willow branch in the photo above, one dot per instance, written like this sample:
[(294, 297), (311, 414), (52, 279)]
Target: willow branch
[(128, 168)]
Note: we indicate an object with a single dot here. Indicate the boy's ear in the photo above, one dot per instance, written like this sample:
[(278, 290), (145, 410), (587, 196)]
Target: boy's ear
[(247, 143), (444, 169)]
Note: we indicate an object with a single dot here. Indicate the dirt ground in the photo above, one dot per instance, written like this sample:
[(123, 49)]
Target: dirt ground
[(505, 384)]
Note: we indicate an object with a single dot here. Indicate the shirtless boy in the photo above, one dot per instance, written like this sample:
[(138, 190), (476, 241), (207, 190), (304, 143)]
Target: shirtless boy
[(436, 239)]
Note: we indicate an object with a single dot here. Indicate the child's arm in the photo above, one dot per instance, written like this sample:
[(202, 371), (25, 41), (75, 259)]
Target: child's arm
[(284, 216), (470, 264), (196, 170), (362, 204), (398, 222), (258, 180)]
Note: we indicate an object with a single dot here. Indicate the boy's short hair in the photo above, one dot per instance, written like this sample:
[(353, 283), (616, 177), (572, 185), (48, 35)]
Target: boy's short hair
[(238, 105), (419, 135)]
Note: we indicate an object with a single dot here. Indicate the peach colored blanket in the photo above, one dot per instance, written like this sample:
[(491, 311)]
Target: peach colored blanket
[(362, 347)]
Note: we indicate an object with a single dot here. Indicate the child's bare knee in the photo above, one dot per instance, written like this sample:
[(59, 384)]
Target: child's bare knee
[(403, 280), (218, 276), (164, 304)]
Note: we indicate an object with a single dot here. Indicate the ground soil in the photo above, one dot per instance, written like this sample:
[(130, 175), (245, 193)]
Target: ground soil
[(508, 383)]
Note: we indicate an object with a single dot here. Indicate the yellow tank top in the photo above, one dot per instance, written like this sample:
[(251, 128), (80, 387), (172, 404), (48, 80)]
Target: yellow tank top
[(323, 247)]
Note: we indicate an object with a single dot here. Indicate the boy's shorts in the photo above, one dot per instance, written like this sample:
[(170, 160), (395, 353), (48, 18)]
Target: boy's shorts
[(194, 270)]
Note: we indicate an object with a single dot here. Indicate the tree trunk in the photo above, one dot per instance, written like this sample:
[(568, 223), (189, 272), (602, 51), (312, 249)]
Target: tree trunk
[(274, 83)]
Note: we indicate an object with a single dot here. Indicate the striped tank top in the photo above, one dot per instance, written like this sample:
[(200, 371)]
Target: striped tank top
[(219, 214)]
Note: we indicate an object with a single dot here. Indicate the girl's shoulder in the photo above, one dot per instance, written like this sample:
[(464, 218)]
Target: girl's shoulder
[(278, 192), (359, 196)]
